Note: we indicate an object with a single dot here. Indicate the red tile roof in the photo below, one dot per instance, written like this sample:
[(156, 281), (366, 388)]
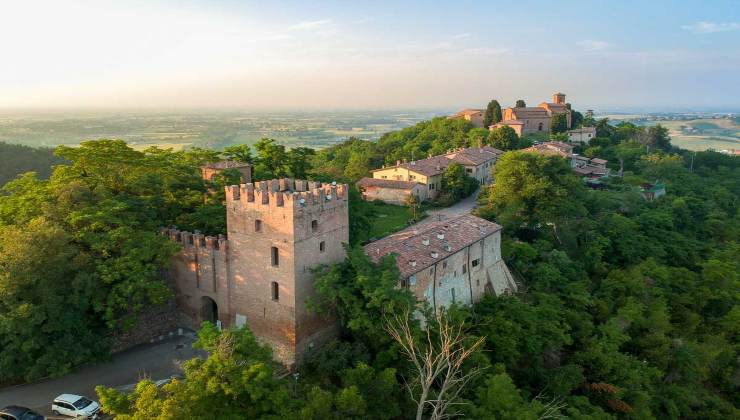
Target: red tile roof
[(412, 255), (474, 155)]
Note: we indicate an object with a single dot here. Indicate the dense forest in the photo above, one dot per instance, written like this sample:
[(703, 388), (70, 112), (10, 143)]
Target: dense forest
[(627, 308), (16, 159)]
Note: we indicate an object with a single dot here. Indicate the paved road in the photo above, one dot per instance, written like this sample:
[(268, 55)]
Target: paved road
[(156, 361), (460, 208)]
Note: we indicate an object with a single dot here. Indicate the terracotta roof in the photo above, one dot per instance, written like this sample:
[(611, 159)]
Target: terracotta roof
[(530, 112), (434, 165), (386, 183), (557, 108), (412, 255), (468, 111), (551, 148), (474, 155), (599, 161), (225, 164)]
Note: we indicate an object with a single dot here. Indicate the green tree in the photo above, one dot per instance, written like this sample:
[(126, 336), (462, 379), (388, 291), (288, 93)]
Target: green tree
[(559, 124), (533, 190), (236, 380), (456, 184), (493, 114), (299, 161), (503, 138), (238, 153), (272, 160), (520, 103)]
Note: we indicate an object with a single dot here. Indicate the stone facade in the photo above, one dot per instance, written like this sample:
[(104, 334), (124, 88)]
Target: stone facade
[(477, 161), (209, 172), (475, 116), (391, 191), (450, 261), (526, 120), (261, 276)]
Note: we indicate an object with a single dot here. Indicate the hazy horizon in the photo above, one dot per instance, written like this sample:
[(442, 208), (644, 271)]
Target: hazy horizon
[(245, 56)]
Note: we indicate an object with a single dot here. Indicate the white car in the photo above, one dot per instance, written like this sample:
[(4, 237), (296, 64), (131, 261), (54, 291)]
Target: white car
[(75, 406)]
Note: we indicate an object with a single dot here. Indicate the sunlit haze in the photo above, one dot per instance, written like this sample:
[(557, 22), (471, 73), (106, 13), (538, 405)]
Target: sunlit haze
[(348, 55)]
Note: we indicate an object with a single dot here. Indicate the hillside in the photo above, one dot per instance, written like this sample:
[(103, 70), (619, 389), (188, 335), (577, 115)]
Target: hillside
[(16, 159)]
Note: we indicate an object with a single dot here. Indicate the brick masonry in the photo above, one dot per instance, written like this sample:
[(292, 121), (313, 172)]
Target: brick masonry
[(278, 231)]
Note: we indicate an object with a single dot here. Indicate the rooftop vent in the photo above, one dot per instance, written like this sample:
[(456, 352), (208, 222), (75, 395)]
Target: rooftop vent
[(412, 263), (440, 235), (447, 247), (434, 254), (425, 241)]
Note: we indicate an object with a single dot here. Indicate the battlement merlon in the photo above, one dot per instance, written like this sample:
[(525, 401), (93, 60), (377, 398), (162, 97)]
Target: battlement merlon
[(195, 240), (288, 194)]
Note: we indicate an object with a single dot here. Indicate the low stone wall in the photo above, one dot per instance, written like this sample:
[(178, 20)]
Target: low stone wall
[(154, 323)]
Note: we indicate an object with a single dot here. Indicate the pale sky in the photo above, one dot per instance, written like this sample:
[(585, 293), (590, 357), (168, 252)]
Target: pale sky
[(264, 55)]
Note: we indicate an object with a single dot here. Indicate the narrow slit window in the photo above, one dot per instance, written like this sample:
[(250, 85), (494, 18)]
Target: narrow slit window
[(314, 225), (322, 246), (258, 225), (275, 257), (475, 262), (275, 291)]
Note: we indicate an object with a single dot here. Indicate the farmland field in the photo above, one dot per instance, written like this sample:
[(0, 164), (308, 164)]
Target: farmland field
[(207, 129)]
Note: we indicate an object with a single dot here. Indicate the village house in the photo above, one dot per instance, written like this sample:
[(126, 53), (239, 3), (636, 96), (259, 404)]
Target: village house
[(591, 168), (475, 116), (581, 135), (449, 261), (400, 178), (391, 191), (211, 170)]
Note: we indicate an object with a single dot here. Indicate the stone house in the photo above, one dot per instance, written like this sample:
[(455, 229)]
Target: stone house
[(475, 116), (260, 274), (516, 125), (450, 261), (427, 172), (581, 135), (209, 171), (534, 119), (477, 161), (391, 191)]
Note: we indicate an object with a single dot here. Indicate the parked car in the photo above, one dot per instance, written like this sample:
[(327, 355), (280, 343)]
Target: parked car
[(14, 412), (75, 406)]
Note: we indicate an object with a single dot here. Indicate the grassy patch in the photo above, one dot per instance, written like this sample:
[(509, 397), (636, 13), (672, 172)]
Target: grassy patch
[(388, 219)]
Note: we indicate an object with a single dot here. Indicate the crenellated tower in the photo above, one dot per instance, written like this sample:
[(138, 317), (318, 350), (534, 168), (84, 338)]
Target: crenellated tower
[(262, 275)]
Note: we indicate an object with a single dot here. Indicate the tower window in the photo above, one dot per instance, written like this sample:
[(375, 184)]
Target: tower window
[(322, 246), (258, 225), (465, 268), (275, 291), (275, 256), (314, 225), (475, 262)]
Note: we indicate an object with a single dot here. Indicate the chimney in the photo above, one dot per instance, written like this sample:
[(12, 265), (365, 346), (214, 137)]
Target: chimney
[(425, 241), (440, 235)]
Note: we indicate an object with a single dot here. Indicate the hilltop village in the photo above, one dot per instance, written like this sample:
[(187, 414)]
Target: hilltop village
[(279, 231)]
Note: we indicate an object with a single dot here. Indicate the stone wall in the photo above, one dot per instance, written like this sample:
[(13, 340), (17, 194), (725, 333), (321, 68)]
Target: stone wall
[(153, 323)]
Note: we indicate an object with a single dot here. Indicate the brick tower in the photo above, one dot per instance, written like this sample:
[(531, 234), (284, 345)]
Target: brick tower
[(278, 231), (558, 98)]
